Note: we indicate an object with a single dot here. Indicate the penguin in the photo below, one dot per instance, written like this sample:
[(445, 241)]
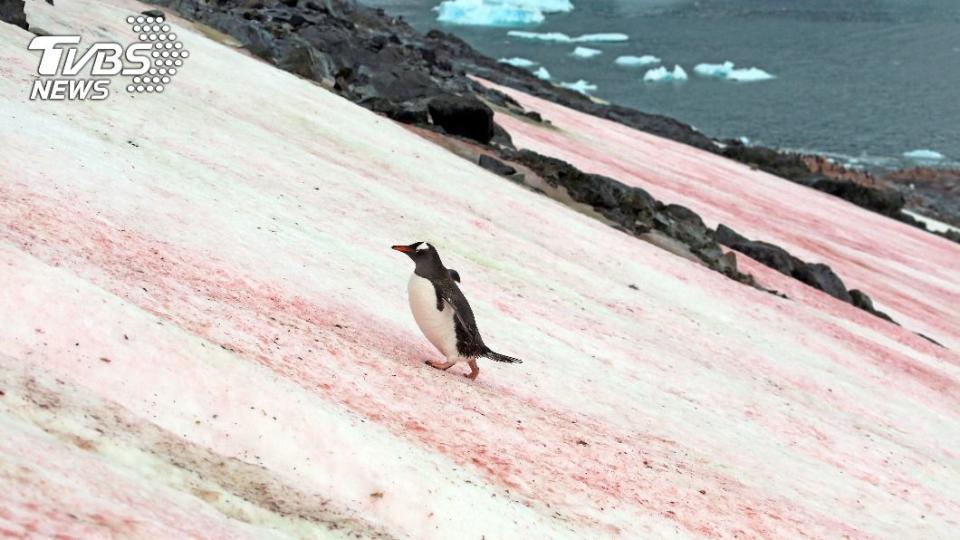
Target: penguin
[(443, 313)]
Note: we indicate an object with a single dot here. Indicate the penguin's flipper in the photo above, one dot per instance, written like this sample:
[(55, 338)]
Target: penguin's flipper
[(454, 275), (468, 336), (439, 298)]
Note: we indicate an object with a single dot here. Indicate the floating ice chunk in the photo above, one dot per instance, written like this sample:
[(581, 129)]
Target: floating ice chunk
[(560, 37), (662, 74), (581, 86), (601, 38), (744, 140), (644, 60), (516, 61), (585, 52), (541, 36), (924, 154), (542, 74), (728, 72), (479, 13), (749, 75)]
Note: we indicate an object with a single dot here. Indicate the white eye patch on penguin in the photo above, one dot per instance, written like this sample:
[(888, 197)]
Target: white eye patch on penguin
[(442, 311)]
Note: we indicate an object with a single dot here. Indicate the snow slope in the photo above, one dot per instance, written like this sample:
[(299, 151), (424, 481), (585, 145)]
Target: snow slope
[(204, 333), (910, 274)]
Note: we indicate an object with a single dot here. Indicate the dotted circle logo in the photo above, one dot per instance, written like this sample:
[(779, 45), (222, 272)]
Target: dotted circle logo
[(167, 53)]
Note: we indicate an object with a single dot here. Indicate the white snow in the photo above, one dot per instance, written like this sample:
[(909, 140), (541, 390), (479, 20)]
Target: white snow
[(662, 74), (932, 224), (585, 52), (644, 60), (581, 86), (498, 12), (560, 37), (924, 155), (542, 74), (516, 61), (727, 71)]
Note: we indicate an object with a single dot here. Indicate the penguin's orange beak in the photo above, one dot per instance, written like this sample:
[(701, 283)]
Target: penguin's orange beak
[(402, 249)]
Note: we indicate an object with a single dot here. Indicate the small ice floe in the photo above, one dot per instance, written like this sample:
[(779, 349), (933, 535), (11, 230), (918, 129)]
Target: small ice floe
[(923, 155), (560, 37), (728, 72), (744, 140), (581, 86), (601, 38), (585, 52), (644, 60), (479, 13), (542, 74), (662, 74), (516, 61)]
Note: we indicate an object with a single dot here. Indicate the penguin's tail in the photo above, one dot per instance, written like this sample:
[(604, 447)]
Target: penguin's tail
[(501, 357)]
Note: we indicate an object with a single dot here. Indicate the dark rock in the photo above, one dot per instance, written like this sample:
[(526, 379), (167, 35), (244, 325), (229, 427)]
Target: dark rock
[(821, 276), (951, 235), (153, 13), (11, 11), (305, 60), (465, 116), (406, 112), (630, 207), (501, 137), (495, 166), (727, 236), (862, 301), (888, 202)]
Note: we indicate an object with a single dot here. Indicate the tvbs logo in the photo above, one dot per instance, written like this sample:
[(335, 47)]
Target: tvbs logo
[(148, 65)]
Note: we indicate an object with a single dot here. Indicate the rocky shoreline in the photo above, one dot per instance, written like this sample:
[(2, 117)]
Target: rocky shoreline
[(381, 63)]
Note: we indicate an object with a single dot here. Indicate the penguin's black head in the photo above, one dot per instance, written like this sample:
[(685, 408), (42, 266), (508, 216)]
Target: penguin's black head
[(425, 256)]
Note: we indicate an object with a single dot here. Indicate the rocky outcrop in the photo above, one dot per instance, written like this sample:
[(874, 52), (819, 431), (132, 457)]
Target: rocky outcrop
[(11, 11), (816, 275), (465, 116), (817, 173), (631, 209), (495, 166), (932, 192)]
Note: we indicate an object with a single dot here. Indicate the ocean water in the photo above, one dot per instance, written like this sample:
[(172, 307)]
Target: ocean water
[(862, 80)]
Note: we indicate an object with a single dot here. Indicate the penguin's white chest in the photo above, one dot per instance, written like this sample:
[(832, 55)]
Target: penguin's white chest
[(437, 326)]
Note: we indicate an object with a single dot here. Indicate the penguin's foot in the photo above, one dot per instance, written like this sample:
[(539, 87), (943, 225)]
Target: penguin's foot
[(443, 367), (474, 370)]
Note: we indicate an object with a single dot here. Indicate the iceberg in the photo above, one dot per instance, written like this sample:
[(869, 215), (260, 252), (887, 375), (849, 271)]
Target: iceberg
[(516, 61), (581, 86), (498, 12), (542, 74), (560, 37), (728, 72), (662, 74), (585, 52), (644, 60), (924, 154), (478, 13)]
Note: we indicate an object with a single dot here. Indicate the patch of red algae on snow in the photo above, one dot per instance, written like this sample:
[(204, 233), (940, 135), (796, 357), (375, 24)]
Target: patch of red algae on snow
[(908, 272), (545, 456)]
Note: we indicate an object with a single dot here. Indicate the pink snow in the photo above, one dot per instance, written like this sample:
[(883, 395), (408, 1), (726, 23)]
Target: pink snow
[(909, 273), (205, 333)]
